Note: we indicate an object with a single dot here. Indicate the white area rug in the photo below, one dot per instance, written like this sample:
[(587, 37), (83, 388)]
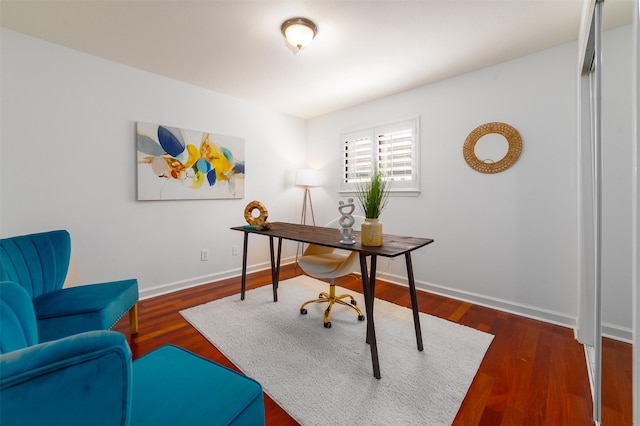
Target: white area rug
[(324, 376)]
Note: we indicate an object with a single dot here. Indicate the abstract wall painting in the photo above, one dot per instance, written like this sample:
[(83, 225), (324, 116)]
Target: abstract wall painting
[(179, 164)]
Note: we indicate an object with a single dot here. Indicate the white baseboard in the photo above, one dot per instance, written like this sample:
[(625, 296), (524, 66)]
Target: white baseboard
[(617, 332), (524, 310), (148, 293)]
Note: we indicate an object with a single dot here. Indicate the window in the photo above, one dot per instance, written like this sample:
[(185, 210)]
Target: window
[(392, 148)]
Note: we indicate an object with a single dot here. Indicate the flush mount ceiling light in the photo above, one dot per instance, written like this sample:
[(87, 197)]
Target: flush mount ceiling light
[(298, 32)]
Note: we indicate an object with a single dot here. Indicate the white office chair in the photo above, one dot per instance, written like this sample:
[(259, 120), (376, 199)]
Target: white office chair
[(327, 262)]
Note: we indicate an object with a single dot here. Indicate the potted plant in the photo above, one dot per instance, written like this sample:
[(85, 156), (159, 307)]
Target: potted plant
[(372, 196)]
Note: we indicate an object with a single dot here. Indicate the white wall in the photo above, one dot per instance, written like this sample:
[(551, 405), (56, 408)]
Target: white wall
[(69, 161), (507, 240)]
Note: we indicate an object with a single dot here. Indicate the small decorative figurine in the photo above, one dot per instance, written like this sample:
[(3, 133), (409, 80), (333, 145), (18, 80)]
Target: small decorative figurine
[(346, 221)]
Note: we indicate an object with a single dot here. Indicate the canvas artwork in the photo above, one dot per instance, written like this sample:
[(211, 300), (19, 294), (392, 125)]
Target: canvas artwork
[(179, 164)]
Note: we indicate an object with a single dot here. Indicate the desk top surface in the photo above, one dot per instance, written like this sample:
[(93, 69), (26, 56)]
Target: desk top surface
[(392, 245)]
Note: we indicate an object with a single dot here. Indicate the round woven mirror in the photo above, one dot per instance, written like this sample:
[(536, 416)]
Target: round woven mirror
[(488, 166)]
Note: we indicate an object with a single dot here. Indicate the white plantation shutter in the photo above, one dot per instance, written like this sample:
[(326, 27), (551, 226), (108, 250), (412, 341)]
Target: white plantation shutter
[(395, 154), (357, 158), (392, 148)]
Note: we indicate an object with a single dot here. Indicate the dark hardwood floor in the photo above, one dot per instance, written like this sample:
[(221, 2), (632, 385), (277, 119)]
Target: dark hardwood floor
[(534, 373)]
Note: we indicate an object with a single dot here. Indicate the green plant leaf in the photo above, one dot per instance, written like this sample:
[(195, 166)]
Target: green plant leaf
[(372, 195)]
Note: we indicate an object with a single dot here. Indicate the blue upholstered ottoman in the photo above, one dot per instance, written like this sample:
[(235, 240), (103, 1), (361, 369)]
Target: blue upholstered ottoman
[(172, 373)]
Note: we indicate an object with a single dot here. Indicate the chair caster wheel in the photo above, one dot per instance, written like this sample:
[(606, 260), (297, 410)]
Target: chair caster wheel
[(327, 325), (353, 302), (360, 317), (303, 311)]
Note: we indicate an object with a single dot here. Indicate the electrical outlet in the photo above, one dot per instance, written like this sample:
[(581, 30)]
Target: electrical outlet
[(235, 250), (204, 255)]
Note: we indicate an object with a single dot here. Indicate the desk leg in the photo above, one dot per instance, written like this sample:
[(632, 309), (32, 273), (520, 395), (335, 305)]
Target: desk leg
[(365, 290), (368, 288), (414, 301), (275, 273), (278, 262), (243, 286)]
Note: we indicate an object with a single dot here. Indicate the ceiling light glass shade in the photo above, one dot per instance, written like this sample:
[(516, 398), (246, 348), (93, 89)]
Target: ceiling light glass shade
[(307, 178), (299, 32)]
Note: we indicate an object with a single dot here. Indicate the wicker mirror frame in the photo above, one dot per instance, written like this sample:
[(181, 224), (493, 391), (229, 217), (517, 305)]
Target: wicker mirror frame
[(513, 153)]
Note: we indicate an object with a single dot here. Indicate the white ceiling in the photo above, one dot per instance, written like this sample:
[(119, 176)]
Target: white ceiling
[(364, 49)]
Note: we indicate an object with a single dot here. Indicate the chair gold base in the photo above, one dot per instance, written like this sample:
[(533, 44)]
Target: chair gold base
[(330, 299)]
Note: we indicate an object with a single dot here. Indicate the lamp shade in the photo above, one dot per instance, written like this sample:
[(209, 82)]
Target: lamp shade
[(307, 178), (299, 32)]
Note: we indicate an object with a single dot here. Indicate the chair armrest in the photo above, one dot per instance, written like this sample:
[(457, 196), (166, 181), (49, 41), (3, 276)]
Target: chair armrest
[(79, 380)]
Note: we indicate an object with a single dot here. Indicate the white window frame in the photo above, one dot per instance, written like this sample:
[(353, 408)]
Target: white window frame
[(399, 186)]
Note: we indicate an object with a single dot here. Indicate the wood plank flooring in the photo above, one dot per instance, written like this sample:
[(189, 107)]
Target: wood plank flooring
[(534, 373)]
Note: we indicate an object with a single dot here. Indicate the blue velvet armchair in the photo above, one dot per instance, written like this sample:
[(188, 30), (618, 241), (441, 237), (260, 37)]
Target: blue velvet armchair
[(89, 379), (39, 263)]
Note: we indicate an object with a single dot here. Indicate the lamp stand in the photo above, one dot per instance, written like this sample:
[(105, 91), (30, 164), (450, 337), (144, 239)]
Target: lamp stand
[(303, 218)]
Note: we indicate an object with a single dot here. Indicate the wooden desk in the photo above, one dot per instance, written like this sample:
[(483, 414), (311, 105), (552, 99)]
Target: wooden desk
[(393, 245)]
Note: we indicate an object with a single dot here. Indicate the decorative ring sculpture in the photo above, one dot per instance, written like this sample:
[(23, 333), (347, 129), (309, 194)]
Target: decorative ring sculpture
[(513, 153), (248, 213)]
